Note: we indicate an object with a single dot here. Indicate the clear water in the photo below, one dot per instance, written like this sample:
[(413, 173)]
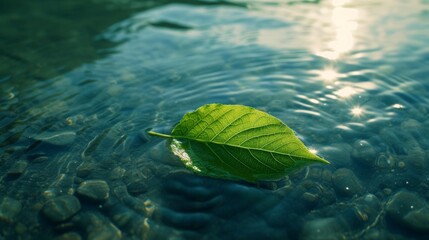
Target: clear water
[(81, 82)]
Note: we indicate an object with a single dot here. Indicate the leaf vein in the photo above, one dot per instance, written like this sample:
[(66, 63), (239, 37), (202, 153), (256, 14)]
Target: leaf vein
[(215, 120), (229, 124), (223, 162), (257, 159), (268, 143), (259, 136), (201, 118), (281, 163), (238, 160), (249, 129)]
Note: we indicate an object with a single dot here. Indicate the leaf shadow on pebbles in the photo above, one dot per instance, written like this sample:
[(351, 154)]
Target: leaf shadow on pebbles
[(199, 206)]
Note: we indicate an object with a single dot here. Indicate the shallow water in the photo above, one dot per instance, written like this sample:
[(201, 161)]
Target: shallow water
[(81, 82)]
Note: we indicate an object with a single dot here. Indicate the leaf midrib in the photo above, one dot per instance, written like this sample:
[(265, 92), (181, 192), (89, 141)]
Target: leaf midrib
[(247, 148)]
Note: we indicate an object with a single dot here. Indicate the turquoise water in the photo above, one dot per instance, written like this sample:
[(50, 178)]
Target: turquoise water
[(82, 81)]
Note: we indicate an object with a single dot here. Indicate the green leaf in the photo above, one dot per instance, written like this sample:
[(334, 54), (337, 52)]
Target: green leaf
[(237, 142)]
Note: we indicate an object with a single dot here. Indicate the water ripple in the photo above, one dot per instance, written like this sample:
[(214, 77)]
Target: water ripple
[(363, 108)]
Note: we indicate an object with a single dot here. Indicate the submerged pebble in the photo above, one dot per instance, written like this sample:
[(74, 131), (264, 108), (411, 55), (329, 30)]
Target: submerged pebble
[(346, 183), (9, 209), (117, 173), (20, 228), (85, 168), (69, 236), (363, 152), (61, 208), (323, 228), (18, 168), (96, 226), (97, 190), (418, 219), (137, 187), (408, 209), (56, 138)]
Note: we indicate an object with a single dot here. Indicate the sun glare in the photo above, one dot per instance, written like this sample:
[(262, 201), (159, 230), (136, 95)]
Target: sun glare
[(357, 111), (313, 150), (344, 23), (329, 75)]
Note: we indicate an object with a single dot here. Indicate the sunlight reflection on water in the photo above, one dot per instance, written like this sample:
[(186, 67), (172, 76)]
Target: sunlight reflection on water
[(337, 72)]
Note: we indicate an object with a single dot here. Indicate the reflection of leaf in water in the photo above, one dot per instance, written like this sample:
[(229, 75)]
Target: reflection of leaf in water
[(237, 142)]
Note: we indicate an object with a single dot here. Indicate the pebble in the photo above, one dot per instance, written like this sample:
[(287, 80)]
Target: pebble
[(57, 138), (9, 209), (20, 228), (417, 158), (387, 191), (418, 219), (97, 190), (324, 228), (117, 173), (85, 168), (363, 152), (346, 183), (61, 208), (97, 226), (136, 188), (385, 161), (69, 236), (404, 208), (393, 138), (367, 207), (18, 168)]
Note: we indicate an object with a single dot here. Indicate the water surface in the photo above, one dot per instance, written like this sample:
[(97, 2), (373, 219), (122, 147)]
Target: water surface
[(81, 82)]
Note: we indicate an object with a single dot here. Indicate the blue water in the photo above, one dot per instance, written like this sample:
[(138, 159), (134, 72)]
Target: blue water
[(81, 83)]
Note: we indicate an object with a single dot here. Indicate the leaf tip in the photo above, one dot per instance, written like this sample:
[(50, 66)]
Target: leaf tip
[(324, 160)]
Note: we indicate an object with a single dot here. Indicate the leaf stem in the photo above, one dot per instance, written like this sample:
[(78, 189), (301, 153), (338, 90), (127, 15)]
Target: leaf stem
[(159, 134)]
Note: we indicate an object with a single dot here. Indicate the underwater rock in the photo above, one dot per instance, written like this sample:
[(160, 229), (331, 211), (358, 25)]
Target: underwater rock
[(97, 226), (97, 190), (363, 152), (69, 236), (323, 228), (20, 228), (346, 183), (367, 207), (402, 206), (417, 158), (61, 208), (128, 219), (316, 194), (343, 219), (56, 138), (385, 161), (136, 188), (117, 173), (9, 209), (395, 139), (18, 168), (418, 219), (85, 168)]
